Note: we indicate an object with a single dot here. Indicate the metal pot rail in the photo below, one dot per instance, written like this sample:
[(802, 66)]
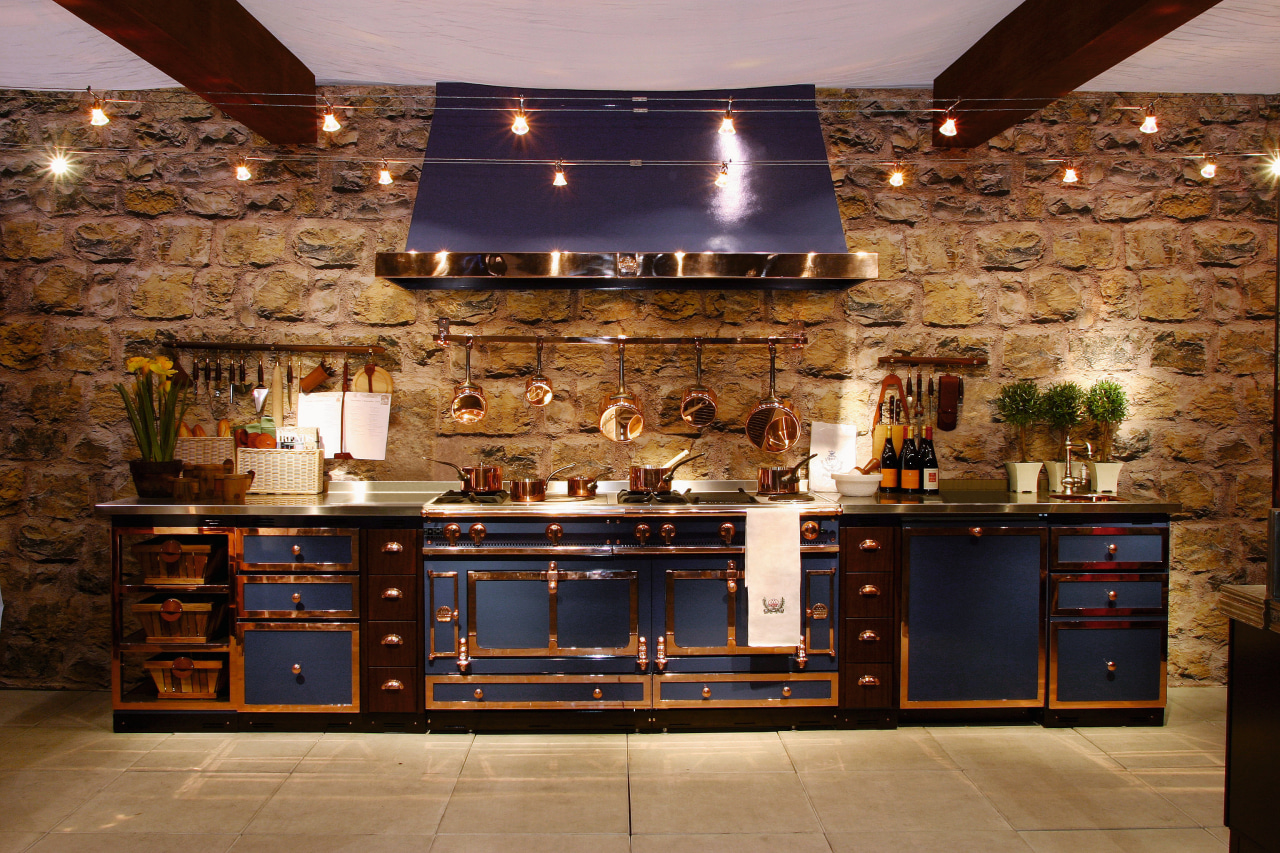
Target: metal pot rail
[(444, 338)]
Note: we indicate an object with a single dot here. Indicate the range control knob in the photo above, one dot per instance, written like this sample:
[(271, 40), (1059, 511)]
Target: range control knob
[(668, 532), (554, 532), (642, 533), (476, 533), (810, 530), (451, 533), (727, 532)]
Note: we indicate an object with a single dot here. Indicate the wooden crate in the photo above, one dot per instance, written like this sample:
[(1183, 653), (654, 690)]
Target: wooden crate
[(170, 619), (282, 472), (187, 676), (179, 559)]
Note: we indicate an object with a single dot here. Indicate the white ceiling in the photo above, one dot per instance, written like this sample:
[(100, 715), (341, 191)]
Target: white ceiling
[(642, 44)]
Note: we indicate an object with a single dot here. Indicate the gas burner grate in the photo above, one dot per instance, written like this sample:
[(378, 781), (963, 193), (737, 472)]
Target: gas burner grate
[(453, 496), (737, 498), (629, 497), (798, 498)]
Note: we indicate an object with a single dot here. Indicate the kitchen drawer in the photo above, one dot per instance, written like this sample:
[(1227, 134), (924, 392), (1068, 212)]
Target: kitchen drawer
[(393, 598), (868, 594), (298, 550), (1108, 595), (393, 690), (867, 549), (298, 666), (298, 596), (538, 691), (868, 641), (1107, 664), (867, 685), (393, 643), (1082, 546), (689, 690), (392, 552)]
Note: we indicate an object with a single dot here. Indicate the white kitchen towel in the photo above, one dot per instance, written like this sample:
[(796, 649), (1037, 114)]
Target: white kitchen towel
[(773, 576)]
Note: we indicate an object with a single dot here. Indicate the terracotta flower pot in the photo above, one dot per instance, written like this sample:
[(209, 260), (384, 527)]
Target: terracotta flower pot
[(154, 479)]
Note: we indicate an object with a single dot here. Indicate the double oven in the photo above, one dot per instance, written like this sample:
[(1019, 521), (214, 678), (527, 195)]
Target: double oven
[(603, 605)]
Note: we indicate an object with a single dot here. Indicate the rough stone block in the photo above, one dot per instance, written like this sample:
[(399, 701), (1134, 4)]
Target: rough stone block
[(252, 244), (1168, 296), (1224, 244), (162, 295), (1101, 350), (213, 204), (150, 200), (953, 300), (900, 208), (1124, 207), (1152, 245), (1054, 296), (1118, 290), (380, 303), (31, 239), (1183, 351), (80, 350), (939, 250), (21, 344), (1246, 351), (184, 244), (1185, 204), (59, 289), (1009, 248), (1085, 247), (1032, 356), (115, 240), (331, 245), (280, 294), (1258, 287), (881, 303)]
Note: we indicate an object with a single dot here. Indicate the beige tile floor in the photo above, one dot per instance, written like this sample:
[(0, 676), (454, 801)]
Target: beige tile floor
[(67, 783)]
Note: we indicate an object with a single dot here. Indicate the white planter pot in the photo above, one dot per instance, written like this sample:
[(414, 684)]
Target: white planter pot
[(1057, 469), (1103, 476), (1023, 476)]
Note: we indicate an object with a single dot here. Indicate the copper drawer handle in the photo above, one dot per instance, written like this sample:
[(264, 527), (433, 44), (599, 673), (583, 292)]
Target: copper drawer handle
[(1111, 666), (297, 550), (870, 590), (727, 532), (810, 530), (975, 531), (597, 693), (869, 545), (1111, 549), (1111, 595), (393, 684), (296, 669), (393, 640), (553, 578), (479, 694), (392, 548), (392, 593), (868, 681), (731, 576), (869, 637), (786, 691), (296, 598), (667, 532), (706, 693)]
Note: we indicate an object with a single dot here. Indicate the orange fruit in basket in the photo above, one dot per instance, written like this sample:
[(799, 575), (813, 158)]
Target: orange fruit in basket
[(263, 441)]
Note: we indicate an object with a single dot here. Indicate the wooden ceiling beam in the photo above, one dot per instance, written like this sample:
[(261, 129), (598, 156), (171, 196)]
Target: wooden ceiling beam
[(220, 52), (1043, 50)]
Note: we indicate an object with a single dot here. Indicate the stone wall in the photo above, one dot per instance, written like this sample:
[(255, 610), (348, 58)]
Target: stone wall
[(1143, 271)]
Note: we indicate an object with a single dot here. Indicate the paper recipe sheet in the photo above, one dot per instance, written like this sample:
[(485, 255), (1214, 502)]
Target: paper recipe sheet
[(362, 428)]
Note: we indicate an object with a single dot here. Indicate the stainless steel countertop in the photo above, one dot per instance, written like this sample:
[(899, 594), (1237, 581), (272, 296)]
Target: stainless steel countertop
[(410, 498)]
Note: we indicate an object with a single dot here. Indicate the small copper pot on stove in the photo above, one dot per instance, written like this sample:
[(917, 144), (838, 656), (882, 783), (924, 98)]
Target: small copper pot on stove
[(780, 480), (533, 489), (480, 479), (655, 479), (582, 486)]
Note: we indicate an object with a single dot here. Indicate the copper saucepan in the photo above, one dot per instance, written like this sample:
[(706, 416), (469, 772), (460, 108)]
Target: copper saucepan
[(582, 486), (698, 408), (533, 489), (621, 417), (773, 425), (655, 478), (780, 480), (469, 403), (538, 390), (484, 479)]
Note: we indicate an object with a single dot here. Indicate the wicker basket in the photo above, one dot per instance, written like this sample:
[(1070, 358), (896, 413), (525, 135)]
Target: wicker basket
[(193, 676), (205, 450), (283, 472), (190, 619), (179, 559)]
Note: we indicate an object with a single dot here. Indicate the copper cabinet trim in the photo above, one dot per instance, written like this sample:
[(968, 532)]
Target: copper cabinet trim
[(870, 590), (869, 637), (869, 545), (392, 640), (393, 684), (868, 681), (392, 548), (393, 593)]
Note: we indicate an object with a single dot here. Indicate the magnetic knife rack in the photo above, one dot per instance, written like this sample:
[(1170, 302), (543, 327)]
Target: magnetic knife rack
[(220, 346), (937, 360), (444, 338)]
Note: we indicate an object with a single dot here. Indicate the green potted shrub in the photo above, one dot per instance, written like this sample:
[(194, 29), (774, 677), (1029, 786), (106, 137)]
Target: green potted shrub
[(1106, 404), (1018, 404), (1061, 407)]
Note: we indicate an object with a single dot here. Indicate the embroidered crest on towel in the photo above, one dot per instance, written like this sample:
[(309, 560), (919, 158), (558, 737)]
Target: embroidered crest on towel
[(774, 605)]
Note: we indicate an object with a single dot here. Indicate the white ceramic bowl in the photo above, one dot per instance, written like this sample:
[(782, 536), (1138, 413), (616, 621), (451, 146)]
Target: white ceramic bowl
[(856, 485)]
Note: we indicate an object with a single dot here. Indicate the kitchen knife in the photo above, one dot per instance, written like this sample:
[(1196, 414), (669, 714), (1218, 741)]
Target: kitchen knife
[(959, 396)]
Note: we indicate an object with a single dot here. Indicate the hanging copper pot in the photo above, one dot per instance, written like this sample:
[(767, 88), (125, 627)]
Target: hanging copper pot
[(538, 390), (780, 480), (698, 408), (469, 403), (773, 425), (621, 417)]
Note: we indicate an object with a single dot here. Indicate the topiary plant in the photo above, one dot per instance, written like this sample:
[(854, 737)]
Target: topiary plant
[(1062, 407), (1106, 404), (1018, 404)]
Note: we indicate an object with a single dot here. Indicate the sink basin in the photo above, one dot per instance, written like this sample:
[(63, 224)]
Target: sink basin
[(1087, 498)]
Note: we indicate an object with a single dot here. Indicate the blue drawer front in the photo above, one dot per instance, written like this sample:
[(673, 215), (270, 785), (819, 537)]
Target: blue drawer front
[(742, 691), (328, 598), (1083, 655), (1146, 595), (1129, 548), (278, 548), (537, 692), (325, 658)]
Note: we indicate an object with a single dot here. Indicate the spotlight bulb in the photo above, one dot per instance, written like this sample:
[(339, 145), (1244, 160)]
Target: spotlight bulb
[(1149, 125), (520, 126), (896, 178), (1069, 175), (726, 123), (948, 127), (722, 179), (59, 164), (98, 117), (384, 175), (1209, 169), (330, 123), (559, 180), (1274, 166), (242, 173)]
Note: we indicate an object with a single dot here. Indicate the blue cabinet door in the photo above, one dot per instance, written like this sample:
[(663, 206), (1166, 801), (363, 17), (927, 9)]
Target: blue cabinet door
[(300, 667)]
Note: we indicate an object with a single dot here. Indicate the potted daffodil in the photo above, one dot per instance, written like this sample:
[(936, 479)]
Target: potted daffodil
[(156, 404)]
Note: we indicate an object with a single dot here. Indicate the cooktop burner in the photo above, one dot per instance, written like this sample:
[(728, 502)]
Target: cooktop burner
[(453, 496), (688, 497), (627, 496), (798, 498)]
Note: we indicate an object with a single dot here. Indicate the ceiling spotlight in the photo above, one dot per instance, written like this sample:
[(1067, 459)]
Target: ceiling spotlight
[(1210, 167), (897, 178), (243, 173), (59, 164), (948, 127), (1149, 123), (559, 179), (726, 123), (521, 125), (384, 174), (1070, 175), (1274, 166), (330, 120), (722, 179), (97, 115)]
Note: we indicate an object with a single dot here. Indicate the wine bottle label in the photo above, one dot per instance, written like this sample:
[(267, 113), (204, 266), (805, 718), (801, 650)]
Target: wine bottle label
[(888, 478), (930, 476)]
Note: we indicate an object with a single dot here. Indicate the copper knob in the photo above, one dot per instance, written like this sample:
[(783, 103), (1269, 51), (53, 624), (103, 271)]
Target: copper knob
[(1111, 666), (868, 681), (476, 533), (810, 530), (706, 693), (1111, 549), (451, 533), (869, 545), (597, 693), (869, 637), (1111, 595), (668, 532), (393, 684), (554, 532), (297, 550), (393, 640), (786, 691), (392, 548), (296, 598), (296, 668), (727, 532), (392, 594), (479, 694), (171, 610), (642, 533), (975, 531), (182, 667), (870, 590)]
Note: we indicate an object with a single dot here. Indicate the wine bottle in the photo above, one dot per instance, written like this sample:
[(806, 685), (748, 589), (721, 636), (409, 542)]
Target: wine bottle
[(888, 466), (909, 464), (928, 463)]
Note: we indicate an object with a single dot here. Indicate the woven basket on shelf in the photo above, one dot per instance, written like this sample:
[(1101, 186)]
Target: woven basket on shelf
[(192, 676), (168, 619), (283, 472), (205, 450)]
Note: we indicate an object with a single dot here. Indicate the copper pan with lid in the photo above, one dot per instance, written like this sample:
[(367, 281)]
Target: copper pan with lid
[(774, 424)]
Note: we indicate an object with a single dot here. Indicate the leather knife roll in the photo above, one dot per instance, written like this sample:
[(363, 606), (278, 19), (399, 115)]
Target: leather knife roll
[(948, 401)]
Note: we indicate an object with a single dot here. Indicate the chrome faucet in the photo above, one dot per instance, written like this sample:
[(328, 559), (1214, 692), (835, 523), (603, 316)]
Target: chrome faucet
[(1071, 482)]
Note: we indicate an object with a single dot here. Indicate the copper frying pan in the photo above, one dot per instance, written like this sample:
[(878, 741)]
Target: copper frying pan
[(774, 424), (698, 408), (621, 417)]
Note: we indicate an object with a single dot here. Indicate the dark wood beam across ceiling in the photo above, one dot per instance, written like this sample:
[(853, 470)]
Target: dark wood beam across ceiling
[(1043, 50), (220, 52)]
